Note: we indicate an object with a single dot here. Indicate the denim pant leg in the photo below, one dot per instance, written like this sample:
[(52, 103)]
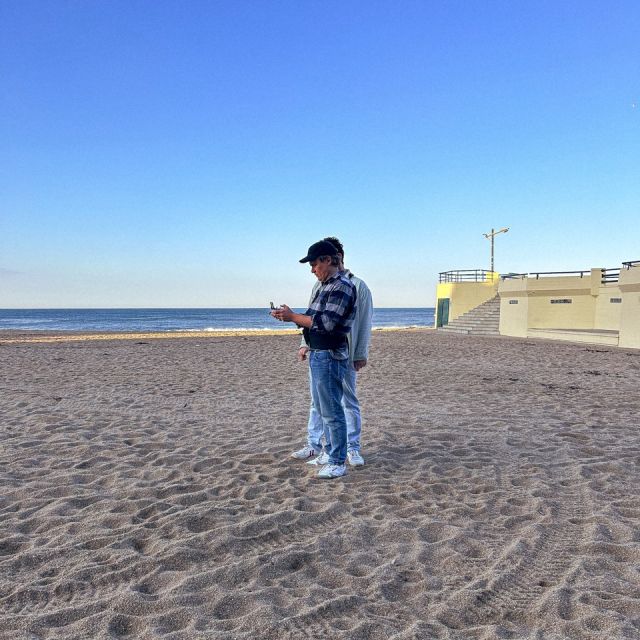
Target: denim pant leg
[(327, 377), (352, 414), (351, 409), (315, 428)]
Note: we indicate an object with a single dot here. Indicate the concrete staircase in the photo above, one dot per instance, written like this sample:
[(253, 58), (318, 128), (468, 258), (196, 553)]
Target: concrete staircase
[(483, 320)]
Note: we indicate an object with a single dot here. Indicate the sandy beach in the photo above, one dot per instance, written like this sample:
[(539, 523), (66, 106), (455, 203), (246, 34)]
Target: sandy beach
[(148, 492)]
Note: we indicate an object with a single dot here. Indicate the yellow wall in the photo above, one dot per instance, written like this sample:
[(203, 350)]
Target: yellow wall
[(630, 313), (535, 310), (514, 307), (465, 296), (607, 315), (579, 314)]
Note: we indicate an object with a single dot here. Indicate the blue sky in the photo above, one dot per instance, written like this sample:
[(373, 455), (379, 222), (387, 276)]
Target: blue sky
[(185, 154)]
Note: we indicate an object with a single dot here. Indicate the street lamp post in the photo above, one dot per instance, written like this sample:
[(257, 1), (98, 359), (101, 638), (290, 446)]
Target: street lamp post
[(492, 236)]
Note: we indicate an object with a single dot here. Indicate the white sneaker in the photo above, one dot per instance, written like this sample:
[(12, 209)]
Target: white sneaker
[(332, 471), (320, 459), (304, 453), (354, 457)]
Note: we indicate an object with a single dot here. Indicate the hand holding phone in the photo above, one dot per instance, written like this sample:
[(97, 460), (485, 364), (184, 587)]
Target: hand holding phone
[(282, 313)]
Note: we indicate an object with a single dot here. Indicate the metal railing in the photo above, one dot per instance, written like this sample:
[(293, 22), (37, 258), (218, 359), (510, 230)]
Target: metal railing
[(481, 275), (467, 275), (610, 275), (560, 273)]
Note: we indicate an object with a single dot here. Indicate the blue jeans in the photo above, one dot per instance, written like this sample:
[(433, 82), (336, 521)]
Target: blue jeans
[(327, 376), (351, 406)]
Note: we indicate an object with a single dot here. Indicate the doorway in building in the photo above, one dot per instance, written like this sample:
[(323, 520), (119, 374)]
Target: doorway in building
[(443, 312)]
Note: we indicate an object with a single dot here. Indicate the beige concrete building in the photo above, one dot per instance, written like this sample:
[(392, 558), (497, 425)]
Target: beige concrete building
[(630, 310), (598, 306)]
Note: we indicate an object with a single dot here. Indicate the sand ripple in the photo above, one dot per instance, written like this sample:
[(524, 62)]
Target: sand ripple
[(147, 492)]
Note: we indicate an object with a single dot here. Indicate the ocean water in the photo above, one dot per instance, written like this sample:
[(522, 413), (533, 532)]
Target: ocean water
[(181, 319)]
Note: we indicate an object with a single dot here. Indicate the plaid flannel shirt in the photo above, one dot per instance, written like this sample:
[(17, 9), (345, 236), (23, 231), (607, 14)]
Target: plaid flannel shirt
[(360, 335), (334, 307)]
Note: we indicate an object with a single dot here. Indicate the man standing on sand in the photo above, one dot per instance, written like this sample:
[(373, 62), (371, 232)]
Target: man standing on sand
[(326, 324), (359, 339)]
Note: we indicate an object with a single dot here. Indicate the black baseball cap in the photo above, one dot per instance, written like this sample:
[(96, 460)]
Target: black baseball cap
[(318, 249)]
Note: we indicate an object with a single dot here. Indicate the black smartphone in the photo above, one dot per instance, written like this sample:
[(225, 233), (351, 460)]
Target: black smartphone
[(272, 305)]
